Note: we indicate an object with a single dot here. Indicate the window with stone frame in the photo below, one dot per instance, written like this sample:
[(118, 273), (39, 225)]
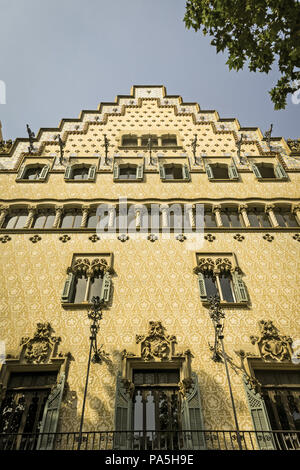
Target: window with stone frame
[(258, 217), (80, 172), (16, 218), (71, 218), (128, 172), (33, 172), (174, 171), (230, 217), (87, 277), (169, 140), (285, 217), (221, 171), (44, 218), (269, 171), (220, 275)]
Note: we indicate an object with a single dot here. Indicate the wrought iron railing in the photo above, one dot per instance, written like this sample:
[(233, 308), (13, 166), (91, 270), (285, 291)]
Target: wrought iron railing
[(154, 440)]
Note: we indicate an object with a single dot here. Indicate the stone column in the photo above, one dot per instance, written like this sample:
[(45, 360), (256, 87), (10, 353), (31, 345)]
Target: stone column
[(295, 211), (85, 214), (243, 211), (58, 214), (159, 141), (31, 212), (139, 141), (269, 209), (217, 212), (3, 214), (137, 211)]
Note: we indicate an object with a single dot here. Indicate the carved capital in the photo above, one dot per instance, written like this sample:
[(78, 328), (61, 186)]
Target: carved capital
[(242, 207)]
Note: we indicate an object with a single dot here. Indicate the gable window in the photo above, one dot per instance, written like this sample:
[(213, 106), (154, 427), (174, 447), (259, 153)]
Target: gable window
[(15, 219), (128, 172), (169, 141), (258, 218), (219, 276), (269, 171), (80, 173), (174, 171), (33, 172), (221, 171), (129, 140), (87, 278)]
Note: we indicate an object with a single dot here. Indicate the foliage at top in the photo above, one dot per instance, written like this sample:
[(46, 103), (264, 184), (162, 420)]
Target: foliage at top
[(259, 32)]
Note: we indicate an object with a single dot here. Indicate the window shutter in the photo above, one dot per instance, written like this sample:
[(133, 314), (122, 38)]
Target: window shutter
[(256, 171), (232, 172), (280, 172), (202, 288), (239, 288), (209, 171), (105, 290), (162, 172), (68, 288), (116, 171), (139, 172), (259, 417), (123, 412), (68, 172), (44, 172), (21, 172), (192, 419), (50, 416), (92, 172), (186, 172)]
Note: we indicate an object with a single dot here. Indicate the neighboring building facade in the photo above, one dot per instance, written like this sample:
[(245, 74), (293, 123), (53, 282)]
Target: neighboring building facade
[(238, 193)]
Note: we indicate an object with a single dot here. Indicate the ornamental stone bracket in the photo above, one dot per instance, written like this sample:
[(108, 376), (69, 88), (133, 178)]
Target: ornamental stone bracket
[(157, 348), (42, 347), (271, 345)]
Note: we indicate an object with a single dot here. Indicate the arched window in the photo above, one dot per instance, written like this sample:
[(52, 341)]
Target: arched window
[(16, 219), (209, 217), (231, 217), (285, 217), (71, 218), (258, 218), (44, 219)]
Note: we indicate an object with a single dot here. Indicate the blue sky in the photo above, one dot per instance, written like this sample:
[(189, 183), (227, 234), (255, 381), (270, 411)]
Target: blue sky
[(58, 57)]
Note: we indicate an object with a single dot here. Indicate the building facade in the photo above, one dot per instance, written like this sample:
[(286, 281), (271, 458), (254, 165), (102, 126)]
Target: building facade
[(155, 206)]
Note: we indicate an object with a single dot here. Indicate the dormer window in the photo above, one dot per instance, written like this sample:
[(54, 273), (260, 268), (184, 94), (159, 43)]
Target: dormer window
[(221, 171), (129, 141), (269, 171), (80, 173), (174, 171), (33, 172)]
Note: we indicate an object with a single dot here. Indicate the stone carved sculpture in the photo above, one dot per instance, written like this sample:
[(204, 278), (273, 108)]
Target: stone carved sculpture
[(272, 346), (39, 348), (156, 345)]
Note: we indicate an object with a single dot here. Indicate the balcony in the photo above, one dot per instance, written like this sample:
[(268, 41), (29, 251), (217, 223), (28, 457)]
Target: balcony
[(154, 440)]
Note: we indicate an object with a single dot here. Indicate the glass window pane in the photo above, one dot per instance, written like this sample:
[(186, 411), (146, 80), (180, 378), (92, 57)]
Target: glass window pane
[(92, 221), (210, 219), (95, 287), (80, 289), (39, 221), (67, 221), (225, 219), (21, 221), (264, 219), (77, 220), (11, 221), (225, 281), (234, 219), (49, 221), (290, 219), (253, 219), (210, 285)]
